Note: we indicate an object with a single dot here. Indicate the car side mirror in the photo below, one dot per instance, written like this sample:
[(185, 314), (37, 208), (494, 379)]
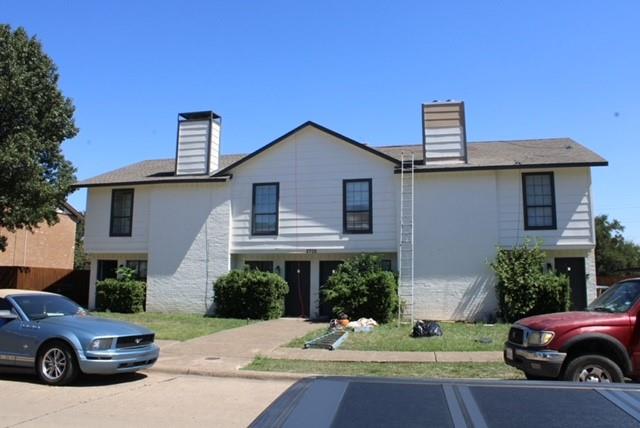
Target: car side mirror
[(8, 315)]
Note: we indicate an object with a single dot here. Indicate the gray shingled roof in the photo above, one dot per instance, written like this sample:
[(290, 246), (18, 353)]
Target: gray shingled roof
[(556, 152), (559, 152)]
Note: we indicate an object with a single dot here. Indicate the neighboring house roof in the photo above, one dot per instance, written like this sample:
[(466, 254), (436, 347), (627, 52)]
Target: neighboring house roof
[(73, 213), (516, 154)]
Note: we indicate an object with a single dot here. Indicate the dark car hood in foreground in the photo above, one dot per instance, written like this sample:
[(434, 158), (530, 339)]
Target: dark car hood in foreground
[(95, 326), (571, 320), (370, 402)]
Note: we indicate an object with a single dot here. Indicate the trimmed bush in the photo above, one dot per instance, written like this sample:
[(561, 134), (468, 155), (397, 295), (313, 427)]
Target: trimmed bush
[(360, 288), (124, 294), (250, 294), (523, 288)]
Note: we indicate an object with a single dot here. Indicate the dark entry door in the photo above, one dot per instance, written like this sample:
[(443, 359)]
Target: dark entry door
[(327, 268), (573, 267), (298, 276)]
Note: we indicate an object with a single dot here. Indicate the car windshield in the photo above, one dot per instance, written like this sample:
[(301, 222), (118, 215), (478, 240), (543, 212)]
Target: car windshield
[(617, 299), (39, 306)]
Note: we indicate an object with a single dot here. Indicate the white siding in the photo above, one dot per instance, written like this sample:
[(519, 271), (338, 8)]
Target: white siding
[(455, 236), (214, 154), (310, 167), (97, 222), (188, 246), (573, 210), (193, 141)]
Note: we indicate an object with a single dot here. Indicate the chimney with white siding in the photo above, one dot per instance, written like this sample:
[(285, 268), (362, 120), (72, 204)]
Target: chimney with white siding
[(444, 134), (198, 144)]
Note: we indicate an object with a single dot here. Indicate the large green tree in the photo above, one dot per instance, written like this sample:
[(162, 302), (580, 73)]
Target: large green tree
[(614, 255), (35, 118)]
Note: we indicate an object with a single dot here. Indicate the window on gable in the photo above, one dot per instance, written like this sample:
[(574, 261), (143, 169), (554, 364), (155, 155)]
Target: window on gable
[(121, 212), (264, 215), (539, 201), (357, 202)]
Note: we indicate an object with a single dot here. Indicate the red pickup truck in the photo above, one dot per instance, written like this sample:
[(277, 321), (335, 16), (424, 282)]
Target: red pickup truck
[(600, 344)]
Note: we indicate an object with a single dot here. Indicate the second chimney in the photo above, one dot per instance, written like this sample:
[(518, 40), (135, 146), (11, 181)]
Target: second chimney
[(198, 144), (444, 134)]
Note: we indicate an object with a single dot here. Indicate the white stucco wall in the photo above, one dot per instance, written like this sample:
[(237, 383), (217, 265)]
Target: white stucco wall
[(310, 167), (188, 245), (455, 234)]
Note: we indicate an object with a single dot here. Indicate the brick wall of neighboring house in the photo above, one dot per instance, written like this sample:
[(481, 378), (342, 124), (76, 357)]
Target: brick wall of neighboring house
[(46, 246)]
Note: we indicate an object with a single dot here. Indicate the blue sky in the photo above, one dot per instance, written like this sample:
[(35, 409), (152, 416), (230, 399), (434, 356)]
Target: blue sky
[(525, 69)]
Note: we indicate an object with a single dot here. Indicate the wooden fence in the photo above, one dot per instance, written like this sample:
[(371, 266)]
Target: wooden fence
[(71, 283)]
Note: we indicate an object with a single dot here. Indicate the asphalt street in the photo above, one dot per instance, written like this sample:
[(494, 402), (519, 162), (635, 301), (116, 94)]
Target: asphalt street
[(143, 399)]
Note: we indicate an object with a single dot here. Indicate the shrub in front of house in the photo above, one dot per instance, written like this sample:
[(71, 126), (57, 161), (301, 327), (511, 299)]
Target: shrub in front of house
[(361, 288), (122, 294), (250, 294), (524, 288)]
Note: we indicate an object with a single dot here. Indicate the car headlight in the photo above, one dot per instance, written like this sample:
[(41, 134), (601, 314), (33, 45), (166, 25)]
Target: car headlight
[(540, 338), (101, 344)]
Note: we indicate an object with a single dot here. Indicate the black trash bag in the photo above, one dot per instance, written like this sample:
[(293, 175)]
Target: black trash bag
[(426, 328)]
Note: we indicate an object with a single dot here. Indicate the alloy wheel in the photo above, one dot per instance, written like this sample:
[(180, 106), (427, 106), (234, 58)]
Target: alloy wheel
[(54, 364), (594, 374)]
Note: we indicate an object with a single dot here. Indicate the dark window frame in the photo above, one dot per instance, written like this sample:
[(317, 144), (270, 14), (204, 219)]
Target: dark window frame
[(114, 192), (345, 228), (137, 262), (253, 210), (554, 224)]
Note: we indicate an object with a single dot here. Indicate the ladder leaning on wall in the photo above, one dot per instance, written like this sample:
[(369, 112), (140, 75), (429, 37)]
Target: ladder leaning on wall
[(406, 247)]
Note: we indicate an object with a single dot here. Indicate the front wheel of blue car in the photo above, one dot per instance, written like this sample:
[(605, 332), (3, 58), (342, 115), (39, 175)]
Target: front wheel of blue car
[(56, 364)]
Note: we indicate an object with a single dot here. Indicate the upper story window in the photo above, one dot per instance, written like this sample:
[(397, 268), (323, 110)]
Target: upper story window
[(539, 201), (264, 214), (121, 212), (357, 203)]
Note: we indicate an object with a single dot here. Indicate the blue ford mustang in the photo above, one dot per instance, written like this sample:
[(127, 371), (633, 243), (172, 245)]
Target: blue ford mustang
[(56, 337)]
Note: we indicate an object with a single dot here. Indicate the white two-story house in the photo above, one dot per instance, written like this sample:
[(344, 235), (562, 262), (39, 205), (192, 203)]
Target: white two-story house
[(305, 202)]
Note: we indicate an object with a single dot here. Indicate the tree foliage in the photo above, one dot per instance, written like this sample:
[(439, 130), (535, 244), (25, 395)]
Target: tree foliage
[(613, 253), (250, 294), (523, 288), (360, 288), (35, 118), (80, 258)]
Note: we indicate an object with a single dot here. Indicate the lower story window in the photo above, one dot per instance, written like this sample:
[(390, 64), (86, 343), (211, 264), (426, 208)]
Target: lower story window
[(139, 267), (261, 265)]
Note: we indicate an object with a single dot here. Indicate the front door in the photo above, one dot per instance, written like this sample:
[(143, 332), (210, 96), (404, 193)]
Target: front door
[(573, 267), (327, 268), (298, 276)]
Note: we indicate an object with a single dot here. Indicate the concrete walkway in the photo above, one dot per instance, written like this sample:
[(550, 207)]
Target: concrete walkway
[(223, 354)]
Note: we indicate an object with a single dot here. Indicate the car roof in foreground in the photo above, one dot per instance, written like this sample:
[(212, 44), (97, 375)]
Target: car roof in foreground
[(364, 402), (6, 292)]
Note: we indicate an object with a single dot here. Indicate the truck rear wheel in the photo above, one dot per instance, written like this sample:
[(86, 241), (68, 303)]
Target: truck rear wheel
[(593, 368)]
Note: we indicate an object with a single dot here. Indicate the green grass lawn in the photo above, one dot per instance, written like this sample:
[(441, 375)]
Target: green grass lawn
[(175, 326), (390, 337), (421, 370)]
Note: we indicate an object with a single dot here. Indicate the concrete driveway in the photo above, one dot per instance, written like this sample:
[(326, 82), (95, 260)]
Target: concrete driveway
[(145, 399)]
